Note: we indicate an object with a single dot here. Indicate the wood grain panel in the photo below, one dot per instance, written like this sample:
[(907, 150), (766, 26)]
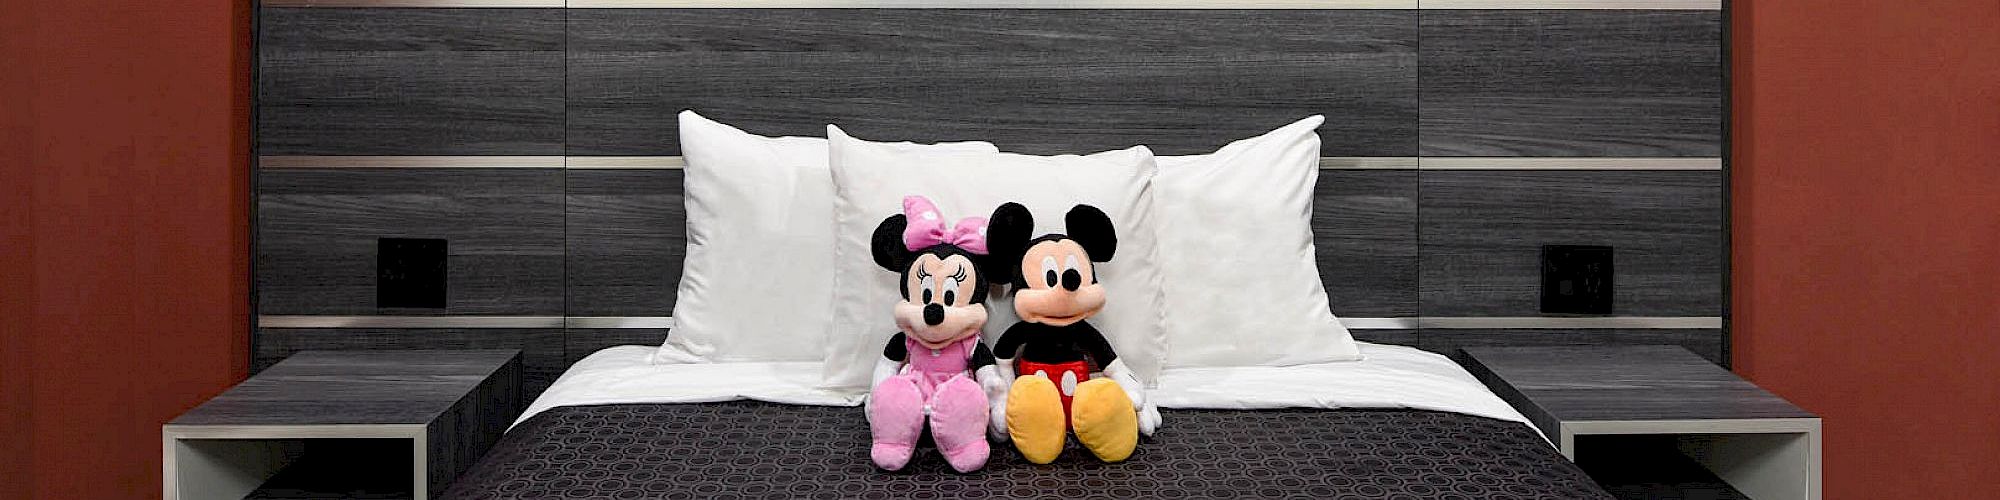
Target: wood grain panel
[(1571, 83), (1706, 343), (582, 342), (317, 232), (1033, 81), (542, 357), (324, 388), (461, 436), (1631, 383), (410, 81), (1412, 338), (627, 236), (1481, 234), (464, 399), (1365, 230)]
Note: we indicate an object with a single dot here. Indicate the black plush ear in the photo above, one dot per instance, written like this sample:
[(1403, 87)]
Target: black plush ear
[(1092, 229), (1007, 234), (887, 243), (982, 275)]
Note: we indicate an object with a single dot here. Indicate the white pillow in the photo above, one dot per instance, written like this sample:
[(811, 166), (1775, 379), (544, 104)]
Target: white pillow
[(1242, 286), (871, 179), (759, 237)]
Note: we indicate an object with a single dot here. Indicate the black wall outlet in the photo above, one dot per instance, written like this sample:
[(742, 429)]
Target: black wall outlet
[(1576, 279), (410, 273)]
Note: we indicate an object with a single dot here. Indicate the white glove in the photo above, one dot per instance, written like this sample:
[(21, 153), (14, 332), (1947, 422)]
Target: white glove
[(1149, 416), (884, 368), (997, 379), (1149, 419)]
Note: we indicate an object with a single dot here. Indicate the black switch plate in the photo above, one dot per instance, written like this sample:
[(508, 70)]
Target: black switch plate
[(410, 273), (1576, 279)]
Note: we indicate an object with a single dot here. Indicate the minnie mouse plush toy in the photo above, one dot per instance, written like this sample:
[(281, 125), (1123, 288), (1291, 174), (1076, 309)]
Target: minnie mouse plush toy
[(928, 369)]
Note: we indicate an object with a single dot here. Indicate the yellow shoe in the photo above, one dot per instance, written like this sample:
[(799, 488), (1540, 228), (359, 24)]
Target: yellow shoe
[(1035, 419), (1104, 420)]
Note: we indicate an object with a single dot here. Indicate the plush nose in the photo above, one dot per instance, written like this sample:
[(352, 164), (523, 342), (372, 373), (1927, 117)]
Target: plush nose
[(1072, 280), (933, 314)]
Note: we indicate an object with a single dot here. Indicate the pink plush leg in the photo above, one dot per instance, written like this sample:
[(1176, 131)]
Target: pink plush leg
[(958, 423), (896, 416)]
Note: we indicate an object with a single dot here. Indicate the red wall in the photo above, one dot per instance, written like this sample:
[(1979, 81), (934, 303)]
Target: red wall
[(15, 191), (1866, 209), (1867, 234), (126, 266)]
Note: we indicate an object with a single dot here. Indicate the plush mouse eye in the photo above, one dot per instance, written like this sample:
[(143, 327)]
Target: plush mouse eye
[(1049, 271), (926, 284), (950, 288)]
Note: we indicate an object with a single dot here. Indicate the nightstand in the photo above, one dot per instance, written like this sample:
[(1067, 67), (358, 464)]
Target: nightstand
[(1756, 441), (434, 412)]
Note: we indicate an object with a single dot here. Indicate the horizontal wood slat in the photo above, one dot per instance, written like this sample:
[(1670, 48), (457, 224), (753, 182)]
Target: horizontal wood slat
[(1033, 81), (410, 81), (626, 237), (1481, 232), (318, 231), (1571, 83)]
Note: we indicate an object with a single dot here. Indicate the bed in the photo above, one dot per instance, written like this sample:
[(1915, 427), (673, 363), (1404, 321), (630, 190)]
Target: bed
[(1401, 423), (538, 142)]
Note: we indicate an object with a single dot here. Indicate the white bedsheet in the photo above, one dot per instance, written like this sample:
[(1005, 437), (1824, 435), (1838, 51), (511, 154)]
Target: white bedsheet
[(1386, 377), (626, 374)]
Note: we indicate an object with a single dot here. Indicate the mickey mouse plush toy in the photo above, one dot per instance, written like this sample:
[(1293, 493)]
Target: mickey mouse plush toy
[(923, 371), (1055, 290)]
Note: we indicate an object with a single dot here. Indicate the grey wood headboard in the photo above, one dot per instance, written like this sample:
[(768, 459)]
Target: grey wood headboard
[(539, 143)]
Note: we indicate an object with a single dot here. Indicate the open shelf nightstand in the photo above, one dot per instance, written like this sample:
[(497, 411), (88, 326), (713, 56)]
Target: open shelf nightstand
[(1756, 441), (436, 411)]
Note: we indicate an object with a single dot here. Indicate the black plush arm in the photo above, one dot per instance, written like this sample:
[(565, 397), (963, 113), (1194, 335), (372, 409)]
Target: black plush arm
[(896, 351), (1010, 341), (1093, 343), (981, 357)]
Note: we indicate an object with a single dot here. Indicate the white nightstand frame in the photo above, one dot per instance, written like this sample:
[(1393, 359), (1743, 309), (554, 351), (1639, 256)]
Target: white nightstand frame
[(201, 462), (1767, 459)]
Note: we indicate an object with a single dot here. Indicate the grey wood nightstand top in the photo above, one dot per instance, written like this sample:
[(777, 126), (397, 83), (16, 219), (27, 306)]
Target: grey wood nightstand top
[(449, 405), (352, 387), (1756, 441), (1561, 385)]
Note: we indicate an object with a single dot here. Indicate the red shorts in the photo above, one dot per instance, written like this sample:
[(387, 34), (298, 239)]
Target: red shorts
[(1074, 371)]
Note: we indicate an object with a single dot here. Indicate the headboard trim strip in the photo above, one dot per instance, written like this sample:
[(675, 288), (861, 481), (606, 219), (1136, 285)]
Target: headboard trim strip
[(996, 4), (1590, 323), (676, 162), (312, 321), (1545, 163), (618, 322), (1023, 4), (618, 162), (667, 322), (410, 161)]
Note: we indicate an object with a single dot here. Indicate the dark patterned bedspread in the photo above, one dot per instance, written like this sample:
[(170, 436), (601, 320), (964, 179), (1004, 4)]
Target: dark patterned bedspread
[(762, 450)]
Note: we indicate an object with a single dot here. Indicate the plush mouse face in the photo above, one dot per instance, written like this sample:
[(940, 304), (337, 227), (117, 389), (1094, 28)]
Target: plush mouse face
[(1055, 278), (1061, 285), (943, 298), (942, 269)]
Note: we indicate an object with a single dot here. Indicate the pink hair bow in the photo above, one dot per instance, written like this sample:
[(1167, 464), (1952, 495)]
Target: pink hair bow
[(928, 228)]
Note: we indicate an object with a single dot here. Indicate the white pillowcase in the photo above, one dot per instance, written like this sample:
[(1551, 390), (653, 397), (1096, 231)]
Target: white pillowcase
[(871, 180), (1242, 285), (759, 236)]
